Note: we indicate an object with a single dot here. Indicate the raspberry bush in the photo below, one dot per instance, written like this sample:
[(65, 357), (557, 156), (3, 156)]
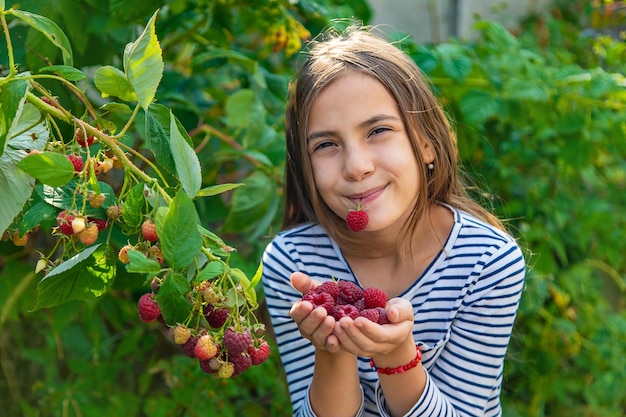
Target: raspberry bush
[(96, 185)]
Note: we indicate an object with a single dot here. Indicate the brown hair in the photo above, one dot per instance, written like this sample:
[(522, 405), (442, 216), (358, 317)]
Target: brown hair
[(360, 49)]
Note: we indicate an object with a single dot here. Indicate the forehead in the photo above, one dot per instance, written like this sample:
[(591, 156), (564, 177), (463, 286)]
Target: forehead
[(351, 98)]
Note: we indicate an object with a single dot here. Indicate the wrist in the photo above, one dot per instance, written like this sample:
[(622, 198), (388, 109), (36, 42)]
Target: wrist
[(399, 366)]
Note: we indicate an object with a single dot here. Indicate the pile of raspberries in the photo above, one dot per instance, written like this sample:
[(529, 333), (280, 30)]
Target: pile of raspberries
[(346, 299)]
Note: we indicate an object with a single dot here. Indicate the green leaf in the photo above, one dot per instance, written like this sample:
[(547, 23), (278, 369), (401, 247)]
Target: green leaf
[(49, 29), (15, 185), (141, 264), (250, 203), (186, 160), (177, 227), (112, 82), (65, 197), (211, 270), (455, 63), (517, 89), (478, 106), (134, 206), (257, 275), (498, 35), (240, 107), (68, 73), (217, 189), (248, 289), (49, 168), (86, 275), (172, 299), (39, 213), (158, 138), (143, 64), (12, 96)]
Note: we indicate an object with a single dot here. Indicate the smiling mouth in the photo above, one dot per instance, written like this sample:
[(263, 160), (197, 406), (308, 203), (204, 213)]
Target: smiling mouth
[(366, 196)]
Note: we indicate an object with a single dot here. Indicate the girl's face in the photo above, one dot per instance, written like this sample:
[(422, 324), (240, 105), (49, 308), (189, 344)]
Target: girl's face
[(360, 151)]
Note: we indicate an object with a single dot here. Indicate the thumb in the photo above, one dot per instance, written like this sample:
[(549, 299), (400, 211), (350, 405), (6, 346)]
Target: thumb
[(302, 282), (399, 309)]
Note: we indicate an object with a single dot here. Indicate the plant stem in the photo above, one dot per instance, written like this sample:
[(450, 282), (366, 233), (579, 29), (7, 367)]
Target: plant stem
[(5, 28)]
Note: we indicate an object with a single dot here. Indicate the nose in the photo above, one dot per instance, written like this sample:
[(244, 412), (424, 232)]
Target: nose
[(358, 162)]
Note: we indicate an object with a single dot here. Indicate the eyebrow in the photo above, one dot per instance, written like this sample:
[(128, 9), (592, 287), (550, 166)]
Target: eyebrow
[(369, 122)]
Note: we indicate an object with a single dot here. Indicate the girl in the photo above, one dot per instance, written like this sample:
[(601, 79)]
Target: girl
[(364, 130)]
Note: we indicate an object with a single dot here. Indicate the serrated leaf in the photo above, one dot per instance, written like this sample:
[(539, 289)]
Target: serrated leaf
[(67, 72), (112, 82), (49, 168), (49, 29), (139, 263), (185, 160), (143, 64), (15, 185), (86, 275), (177, 228), (39, 213), (217, 189), (12, 96), (134, 206), (172, 299)]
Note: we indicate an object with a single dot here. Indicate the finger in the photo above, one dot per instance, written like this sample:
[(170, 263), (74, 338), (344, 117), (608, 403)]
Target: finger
[(399, 309), (302, 282)]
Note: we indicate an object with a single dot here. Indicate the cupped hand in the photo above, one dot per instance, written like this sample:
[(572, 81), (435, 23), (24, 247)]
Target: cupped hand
[(314, 324), (365, 338)]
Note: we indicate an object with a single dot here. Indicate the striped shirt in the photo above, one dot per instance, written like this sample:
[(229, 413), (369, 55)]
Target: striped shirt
[(464, 306)]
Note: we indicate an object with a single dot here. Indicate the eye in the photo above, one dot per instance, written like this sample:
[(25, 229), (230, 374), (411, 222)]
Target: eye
[(379, 130), (322, 145)]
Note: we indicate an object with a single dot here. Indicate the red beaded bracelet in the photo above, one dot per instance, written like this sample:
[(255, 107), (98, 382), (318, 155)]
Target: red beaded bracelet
[(399, 369)]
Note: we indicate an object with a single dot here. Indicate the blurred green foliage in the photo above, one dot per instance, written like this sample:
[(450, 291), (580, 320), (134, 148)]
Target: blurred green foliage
[(541, 121)]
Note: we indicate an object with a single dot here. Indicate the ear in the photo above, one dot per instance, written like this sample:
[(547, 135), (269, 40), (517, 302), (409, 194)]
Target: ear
[(428, 153)]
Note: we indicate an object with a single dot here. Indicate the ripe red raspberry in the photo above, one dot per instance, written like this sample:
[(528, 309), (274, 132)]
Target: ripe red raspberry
[(382, 316), (148, 230), (189, 346), (64, 222), (216, 317), (345, 310), (320, 299), (89, 234), (80, 138), (375, 297), (205, 349), (77, 162), (241, 363), (371, 314), (329, 287), (349, 292), (258, 355), (148, 308), (357, 219), (360, 305), (236, 342), (101, 223)]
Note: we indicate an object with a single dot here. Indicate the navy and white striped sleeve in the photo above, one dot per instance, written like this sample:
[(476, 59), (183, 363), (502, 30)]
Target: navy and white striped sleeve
[(466, 377)]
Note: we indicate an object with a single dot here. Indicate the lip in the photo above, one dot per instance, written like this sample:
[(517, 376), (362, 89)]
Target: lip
[(367, 196)]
